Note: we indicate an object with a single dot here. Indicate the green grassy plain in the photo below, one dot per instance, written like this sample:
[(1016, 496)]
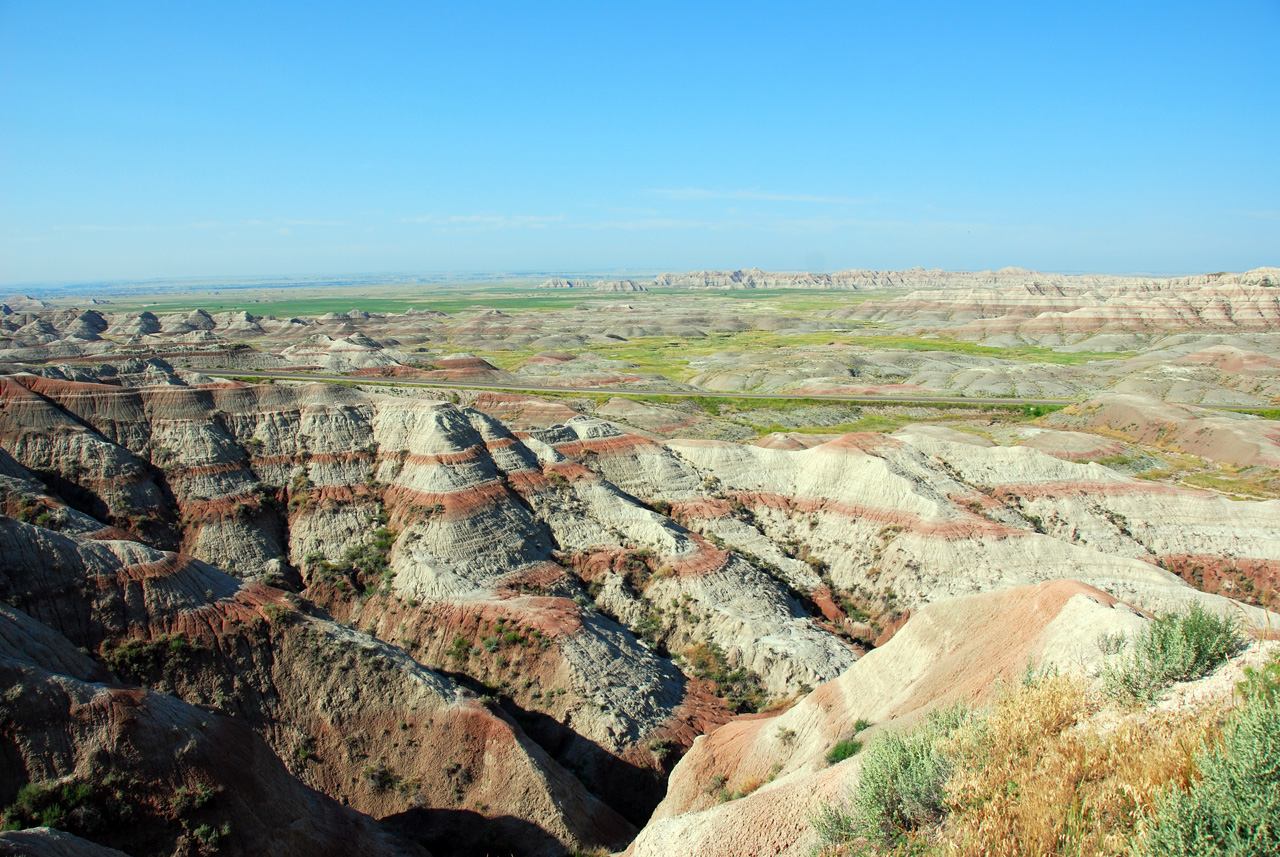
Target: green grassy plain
[(305, 305), (1024, 353), (286, 301)]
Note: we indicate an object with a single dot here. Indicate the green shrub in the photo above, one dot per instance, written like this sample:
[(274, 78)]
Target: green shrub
[(461, 648), (1173, 647), (46, 804), (651, 629), (381, 778), (76, 805), (1262, 683), (186, 800), (370, 563), (901, 786), (843, 750), (365, 567), (138, 659), (835, 825), (208, 839), (1234, 810), (276, 614)]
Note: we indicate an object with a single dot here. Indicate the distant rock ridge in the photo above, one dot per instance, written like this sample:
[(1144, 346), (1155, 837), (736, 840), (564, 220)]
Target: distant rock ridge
[(920, 278), (598, 285)]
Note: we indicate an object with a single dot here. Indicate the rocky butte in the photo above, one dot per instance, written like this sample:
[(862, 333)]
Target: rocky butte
[(671, 573)]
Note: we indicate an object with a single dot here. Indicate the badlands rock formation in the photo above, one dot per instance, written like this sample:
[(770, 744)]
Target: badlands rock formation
[(1208, 339), (919, 278), (155, 768), (319, 617), (616, 596), (1220, 436)]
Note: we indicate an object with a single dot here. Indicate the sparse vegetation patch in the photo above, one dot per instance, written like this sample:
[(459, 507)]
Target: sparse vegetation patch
[(742, 689), (138, 659)]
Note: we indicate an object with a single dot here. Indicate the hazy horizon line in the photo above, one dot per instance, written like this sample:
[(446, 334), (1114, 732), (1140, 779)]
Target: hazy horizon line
[(323, 278)]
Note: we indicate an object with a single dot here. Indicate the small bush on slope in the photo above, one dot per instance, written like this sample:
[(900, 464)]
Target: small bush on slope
[(741, 688), (1173, 647), (88, 807), (901, 787), (137, 659), (842, 750), (1263, 683), (1234, 810)]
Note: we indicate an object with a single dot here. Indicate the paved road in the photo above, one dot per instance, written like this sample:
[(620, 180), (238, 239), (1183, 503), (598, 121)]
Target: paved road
[(629, 392)]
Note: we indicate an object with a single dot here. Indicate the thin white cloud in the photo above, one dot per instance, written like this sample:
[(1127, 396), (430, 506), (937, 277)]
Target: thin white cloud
[(1262, 215), (256, 223), (95, 227), (655, 223), (621, 210), (696, 193), (487, 221)]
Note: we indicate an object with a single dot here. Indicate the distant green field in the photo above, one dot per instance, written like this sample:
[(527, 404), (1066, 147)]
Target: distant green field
[(1028, 353), (287, 302), (668, 356), (450, 301), (1265, 413)]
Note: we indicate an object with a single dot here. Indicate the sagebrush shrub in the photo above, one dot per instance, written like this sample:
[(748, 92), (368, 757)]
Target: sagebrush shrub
[(1234, 809), (901, 785), (1173, 647)]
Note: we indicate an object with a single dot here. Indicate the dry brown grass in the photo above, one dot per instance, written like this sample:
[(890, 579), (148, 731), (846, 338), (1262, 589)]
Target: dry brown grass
[(1028, 781)]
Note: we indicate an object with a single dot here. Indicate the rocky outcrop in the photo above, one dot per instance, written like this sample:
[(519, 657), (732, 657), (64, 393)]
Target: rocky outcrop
[(95, 475), (50, 842), (480, 519), (916, 518), (598, 285), (358, 719), (620, 286), (143, 771), (752, 279), (1030, 305), (1241, 440)]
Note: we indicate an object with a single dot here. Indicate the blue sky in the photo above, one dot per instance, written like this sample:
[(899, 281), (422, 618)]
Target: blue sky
[(203, 139)]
